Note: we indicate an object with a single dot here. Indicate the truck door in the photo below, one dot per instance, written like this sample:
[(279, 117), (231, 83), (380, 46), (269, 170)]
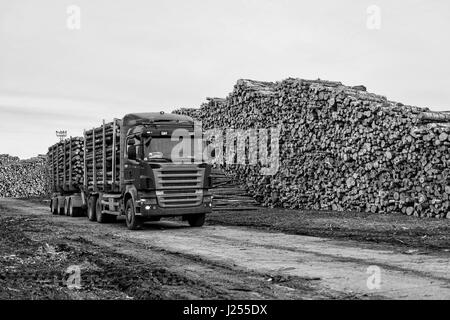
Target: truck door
[(132, 167)]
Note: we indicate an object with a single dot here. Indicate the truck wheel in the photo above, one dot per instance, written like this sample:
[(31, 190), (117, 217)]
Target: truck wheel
[(91, 208), (196, 220), (73, 211), (133, 222), (70, 208), (66, 206), (54, 206), (61, 208), (101, 217)]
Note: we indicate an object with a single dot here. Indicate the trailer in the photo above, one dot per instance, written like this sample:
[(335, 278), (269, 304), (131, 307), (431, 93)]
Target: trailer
[(66, 172), (128, 170)]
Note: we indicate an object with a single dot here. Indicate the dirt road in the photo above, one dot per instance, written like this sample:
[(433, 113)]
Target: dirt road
[(233, 262)]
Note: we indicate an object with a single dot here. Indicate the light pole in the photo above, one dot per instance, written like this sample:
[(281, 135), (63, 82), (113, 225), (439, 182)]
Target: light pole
[(61, 134)]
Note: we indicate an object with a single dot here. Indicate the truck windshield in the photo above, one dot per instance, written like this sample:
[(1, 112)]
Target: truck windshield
[(163, 148)]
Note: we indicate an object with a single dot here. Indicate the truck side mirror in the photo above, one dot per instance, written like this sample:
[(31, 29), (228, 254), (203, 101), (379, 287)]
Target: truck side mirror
[(132, 152)]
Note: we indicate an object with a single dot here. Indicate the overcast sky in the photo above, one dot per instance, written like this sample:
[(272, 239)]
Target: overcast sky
[(132, 56)]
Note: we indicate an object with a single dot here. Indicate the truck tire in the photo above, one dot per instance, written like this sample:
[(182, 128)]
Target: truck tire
[(196, 220), (61, 208), (70, 212), (54, 206), (133, 222), (66, 206), (73, 211), (100, 217), (91, 208)]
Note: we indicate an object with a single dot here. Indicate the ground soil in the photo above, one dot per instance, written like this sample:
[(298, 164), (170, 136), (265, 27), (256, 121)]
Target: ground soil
[(395, 229), (261, 254)]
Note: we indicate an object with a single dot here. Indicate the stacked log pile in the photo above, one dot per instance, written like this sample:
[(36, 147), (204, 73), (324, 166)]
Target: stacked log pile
[(103, 157), (65, 162), (341, 148), (23, 178), (7, 159), (228, 194)]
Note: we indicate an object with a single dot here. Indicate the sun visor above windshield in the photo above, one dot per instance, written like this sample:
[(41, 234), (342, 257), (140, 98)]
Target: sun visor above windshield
[(133, 119)]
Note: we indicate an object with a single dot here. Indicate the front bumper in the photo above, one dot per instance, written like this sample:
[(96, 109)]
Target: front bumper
[(152, 210)]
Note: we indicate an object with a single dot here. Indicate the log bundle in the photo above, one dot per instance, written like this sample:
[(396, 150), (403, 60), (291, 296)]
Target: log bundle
[(341, 148), (7, 159), (228, 194), (65, 163), (103, 157), (23, 178)]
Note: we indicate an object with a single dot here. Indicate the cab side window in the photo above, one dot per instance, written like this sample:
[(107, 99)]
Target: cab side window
[(131, 149), (134, 148)]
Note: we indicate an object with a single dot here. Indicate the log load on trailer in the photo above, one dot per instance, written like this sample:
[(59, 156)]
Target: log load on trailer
[(65, 161), (128, 169)]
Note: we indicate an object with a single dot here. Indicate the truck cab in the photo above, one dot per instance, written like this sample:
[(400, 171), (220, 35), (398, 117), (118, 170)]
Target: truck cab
[(163, 173)]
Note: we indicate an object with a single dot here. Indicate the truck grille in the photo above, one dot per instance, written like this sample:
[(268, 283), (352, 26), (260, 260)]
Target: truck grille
[(179, 187)]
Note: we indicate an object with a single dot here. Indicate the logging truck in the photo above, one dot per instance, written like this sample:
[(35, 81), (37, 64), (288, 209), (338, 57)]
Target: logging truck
[(126, 168)]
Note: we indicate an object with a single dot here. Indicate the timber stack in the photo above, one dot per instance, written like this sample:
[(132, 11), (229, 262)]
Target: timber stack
[(23, 178), (6, 159), (341, 148)]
